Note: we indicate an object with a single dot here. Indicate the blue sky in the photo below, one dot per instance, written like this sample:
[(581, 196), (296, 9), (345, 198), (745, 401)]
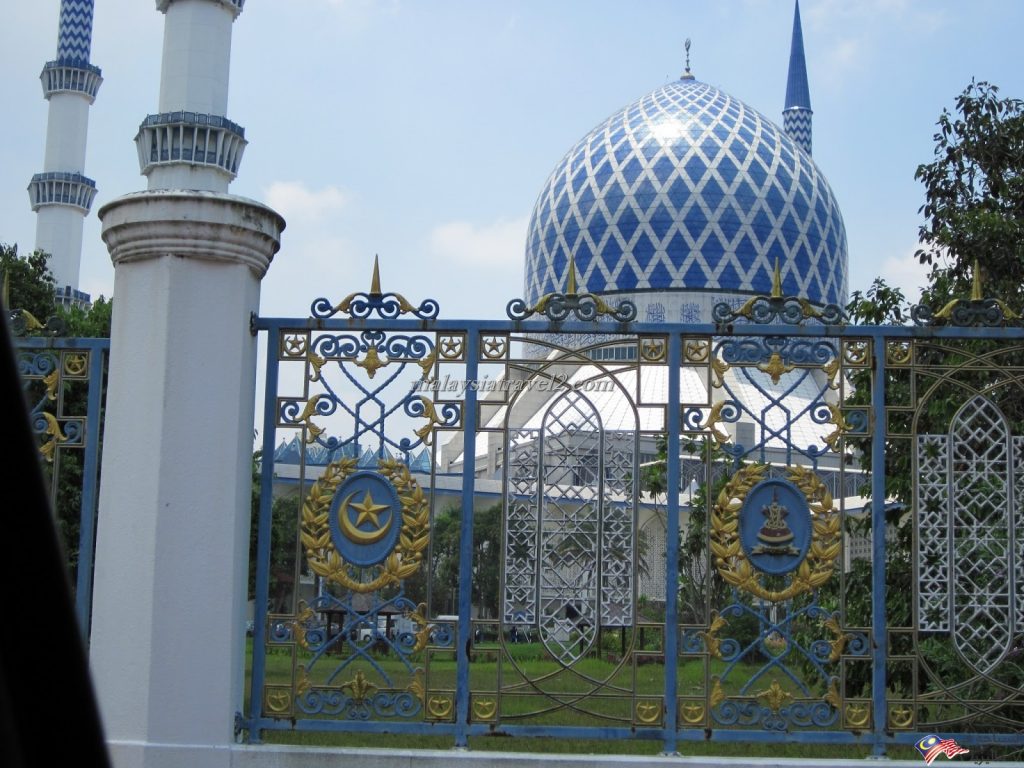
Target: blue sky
[(423, 131)]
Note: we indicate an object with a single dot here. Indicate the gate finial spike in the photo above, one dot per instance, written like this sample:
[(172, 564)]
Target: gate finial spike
[(570, 285), (375, 282), (777, 280), (976, 286)]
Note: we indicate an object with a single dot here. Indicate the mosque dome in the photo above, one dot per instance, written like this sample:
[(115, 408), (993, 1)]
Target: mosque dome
[(688, 190)]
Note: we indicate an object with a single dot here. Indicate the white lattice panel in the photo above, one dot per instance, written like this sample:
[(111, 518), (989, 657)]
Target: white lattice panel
[(980, 500), (932, 520), (523, 470)]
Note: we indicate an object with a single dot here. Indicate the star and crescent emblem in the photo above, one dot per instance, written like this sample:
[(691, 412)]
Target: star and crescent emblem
[(368, 511), (365, 529)]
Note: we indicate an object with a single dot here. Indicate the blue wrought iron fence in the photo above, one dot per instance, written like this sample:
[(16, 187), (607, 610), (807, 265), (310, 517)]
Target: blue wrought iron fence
[(465, 528), (63, 383)]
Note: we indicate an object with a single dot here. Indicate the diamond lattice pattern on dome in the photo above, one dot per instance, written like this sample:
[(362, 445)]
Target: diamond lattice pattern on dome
[(688, 188)]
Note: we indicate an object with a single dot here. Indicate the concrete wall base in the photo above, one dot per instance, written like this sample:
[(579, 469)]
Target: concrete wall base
[(267, 756)]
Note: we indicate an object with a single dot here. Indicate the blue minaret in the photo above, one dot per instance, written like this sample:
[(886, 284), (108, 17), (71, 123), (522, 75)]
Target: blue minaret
[(796, 115), (61, 195)]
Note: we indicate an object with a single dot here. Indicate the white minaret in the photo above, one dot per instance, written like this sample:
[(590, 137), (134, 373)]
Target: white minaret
[(190, 143), (168, 625), (61, 195)]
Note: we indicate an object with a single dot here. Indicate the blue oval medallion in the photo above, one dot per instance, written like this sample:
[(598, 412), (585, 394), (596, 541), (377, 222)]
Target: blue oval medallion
[(775, 526), (365, 518)]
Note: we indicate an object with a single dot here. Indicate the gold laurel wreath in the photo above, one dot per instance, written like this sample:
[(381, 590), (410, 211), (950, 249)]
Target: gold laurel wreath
[(405, 558), (730, 559)]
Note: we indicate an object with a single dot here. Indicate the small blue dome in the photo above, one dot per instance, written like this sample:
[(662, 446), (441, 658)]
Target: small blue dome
[(688, 189)]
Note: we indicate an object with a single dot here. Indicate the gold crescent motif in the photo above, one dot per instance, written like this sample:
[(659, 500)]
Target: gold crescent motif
[(439, 706), (358, 535), (407, 555)]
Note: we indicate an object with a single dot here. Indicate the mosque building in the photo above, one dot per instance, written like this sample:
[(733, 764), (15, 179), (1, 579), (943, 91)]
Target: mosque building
[(685, 199), (688, 197), (682, 200)]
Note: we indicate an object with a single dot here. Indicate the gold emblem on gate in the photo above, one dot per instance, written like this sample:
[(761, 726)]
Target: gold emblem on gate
[(359, 545), (485, 709), (648, 712), (368, 511), (439, 706)]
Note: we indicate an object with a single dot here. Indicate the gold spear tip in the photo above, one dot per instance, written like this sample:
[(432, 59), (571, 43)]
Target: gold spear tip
[(976, 286), (777, 281), (570, 288), (375, 282)]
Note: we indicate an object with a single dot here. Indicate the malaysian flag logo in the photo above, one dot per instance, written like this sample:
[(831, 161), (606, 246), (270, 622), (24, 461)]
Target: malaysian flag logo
[(932, 746)]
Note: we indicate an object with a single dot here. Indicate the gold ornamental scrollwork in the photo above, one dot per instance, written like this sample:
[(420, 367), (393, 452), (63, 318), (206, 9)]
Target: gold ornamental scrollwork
[(775, 367), (730, 558), (404, 560), (840, 423), (56, 435), (711, 639), (372, 362), (774, 696)]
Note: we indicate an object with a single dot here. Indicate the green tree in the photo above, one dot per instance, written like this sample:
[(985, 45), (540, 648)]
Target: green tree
[(974, 196), (699, 584), (27, 282), (284, 527), (445, 565), (90, 323)]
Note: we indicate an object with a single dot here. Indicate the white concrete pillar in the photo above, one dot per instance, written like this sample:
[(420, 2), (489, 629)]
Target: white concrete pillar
[(167, 648)]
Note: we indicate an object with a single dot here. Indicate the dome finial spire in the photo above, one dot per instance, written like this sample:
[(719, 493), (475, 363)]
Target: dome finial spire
[(687, 75)]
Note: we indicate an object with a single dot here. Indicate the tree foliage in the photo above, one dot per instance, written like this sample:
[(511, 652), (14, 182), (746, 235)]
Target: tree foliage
[(699, 584), (284, 527), (974, 195), (444, 560), (27, 281)]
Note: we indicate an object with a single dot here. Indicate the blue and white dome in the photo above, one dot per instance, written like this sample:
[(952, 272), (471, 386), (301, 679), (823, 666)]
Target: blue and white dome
[(688, 190)]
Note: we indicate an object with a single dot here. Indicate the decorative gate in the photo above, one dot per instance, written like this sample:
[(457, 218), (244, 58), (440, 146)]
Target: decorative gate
[(570, 523)]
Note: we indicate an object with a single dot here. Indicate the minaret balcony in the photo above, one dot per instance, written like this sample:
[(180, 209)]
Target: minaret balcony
[(235, 5), (61, 188), (66, 77), (191, 138)]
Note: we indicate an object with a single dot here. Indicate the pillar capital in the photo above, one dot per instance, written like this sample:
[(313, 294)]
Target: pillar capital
[(208, 226)]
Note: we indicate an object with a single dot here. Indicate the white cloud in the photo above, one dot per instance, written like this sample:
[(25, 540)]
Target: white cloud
[(498, 244), (852, 33), (906, 272), (295, 201)]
